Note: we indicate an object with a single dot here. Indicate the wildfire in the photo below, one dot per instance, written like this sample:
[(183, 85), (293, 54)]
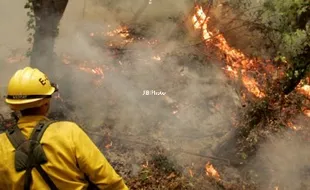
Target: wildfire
[(190, 171), (96, 70), (108, 146), (307, 112), (121, 32), (211, 172), (305, 90), (293, 126), (252, 86), (146, 165), (200, 21), (86, 66), (235, 59), (156, 57)]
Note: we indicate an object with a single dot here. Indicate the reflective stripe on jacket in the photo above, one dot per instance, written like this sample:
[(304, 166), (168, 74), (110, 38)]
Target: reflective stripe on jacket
[(70, 154)]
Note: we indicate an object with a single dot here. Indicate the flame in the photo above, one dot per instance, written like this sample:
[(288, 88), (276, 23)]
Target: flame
[(307, 112), (121, 31), (157, 58), (86, 67), (252, 86), (235, 59), (305, 90), (146, 165), (200, 21), (190, 171), (96, 70), (108, 146), (293, 126), (211, 172)]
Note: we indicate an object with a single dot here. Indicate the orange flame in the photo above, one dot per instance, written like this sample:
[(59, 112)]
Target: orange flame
[(191, 173), (235, 59), (211, 172), (293, 126), (156, 57), (305, 90), (108, 146), (200, 21), (146, 165), (307, 112)]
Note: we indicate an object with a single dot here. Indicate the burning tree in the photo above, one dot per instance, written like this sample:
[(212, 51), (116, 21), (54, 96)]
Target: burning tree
[(285, 29)]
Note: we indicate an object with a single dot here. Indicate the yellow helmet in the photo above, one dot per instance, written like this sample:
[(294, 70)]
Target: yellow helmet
[(29, 88)]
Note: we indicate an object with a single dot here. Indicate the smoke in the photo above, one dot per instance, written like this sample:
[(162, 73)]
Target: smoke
[(192, 116), (195, 111), (198, 105), (12, 43), (283, 161)]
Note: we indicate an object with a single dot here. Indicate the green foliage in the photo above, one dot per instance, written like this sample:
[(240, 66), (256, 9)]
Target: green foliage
[(283, 16), (30, 24)]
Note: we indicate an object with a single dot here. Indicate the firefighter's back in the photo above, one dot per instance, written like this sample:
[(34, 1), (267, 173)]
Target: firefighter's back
[(58, 145)]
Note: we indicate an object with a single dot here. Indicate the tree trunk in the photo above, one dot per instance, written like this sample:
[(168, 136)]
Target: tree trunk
[(48, 14)]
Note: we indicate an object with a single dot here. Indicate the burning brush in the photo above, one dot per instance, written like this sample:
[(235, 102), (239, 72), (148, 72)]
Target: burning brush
[(239, 66), (253, 73)]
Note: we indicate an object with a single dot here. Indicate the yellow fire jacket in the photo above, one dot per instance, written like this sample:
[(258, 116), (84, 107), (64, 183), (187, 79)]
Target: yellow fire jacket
[(70, 154)]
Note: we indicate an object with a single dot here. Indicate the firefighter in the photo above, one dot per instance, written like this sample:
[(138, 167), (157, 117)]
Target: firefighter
[(59, 154)]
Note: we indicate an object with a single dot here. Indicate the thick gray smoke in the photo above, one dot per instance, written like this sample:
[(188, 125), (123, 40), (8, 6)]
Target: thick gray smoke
[(197, 106), (283, 162), (12, 42)]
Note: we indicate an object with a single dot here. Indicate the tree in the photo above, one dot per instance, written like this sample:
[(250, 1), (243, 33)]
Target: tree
[(44, 16), (285, 25)]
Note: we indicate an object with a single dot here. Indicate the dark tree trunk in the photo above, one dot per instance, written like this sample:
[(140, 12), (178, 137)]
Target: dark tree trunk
[(48, 14)]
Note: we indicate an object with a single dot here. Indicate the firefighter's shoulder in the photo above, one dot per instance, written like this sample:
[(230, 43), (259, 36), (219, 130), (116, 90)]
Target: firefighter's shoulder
[(66, 126)]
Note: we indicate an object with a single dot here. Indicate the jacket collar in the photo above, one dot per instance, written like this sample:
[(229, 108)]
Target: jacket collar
[(30, 119)]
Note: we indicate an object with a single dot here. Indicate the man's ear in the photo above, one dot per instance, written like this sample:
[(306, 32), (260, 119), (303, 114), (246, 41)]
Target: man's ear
[(45, 107)]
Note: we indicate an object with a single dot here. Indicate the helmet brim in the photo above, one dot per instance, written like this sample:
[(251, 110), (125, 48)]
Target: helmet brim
[(18, 102), (27, 101)]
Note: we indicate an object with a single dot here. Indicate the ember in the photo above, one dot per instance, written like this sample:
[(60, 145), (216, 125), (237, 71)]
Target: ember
[(305, 90), (157, 58), (191, 173), (211, 172), (108, 146)]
